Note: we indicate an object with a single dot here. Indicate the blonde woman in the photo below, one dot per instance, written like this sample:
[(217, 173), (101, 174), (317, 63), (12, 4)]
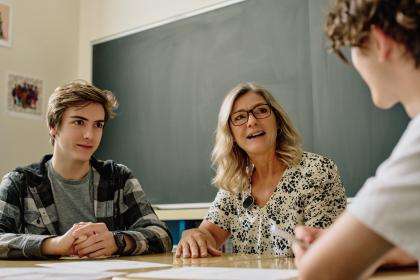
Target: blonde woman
[(268, 185)]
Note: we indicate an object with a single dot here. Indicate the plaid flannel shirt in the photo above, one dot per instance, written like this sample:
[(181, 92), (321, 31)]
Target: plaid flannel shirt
[(28, 214)]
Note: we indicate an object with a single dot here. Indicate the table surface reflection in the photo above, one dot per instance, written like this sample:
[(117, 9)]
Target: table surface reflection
[(226, 260)]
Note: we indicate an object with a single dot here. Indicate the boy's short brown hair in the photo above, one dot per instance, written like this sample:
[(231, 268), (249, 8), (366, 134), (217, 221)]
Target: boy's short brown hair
[(78, 93), (349, 22)]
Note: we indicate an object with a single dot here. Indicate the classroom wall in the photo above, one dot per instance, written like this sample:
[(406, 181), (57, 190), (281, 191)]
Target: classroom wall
[(103, 18), (51, 41), (45, 46)]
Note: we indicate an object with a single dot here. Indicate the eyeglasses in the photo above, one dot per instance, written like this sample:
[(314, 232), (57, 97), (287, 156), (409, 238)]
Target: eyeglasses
[(259, 112)]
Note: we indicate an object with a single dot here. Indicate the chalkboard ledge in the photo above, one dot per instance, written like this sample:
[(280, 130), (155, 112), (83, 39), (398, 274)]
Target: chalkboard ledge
[(181, 214), (176, 206), (181, 211)]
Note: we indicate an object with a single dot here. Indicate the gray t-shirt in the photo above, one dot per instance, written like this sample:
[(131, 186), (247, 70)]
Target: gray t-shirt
[(389, 202), (73, 199)]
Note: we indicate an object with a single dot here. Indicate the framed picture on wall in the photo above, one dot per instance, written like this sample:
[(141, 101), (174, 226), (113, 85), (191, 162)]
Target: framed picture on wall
[(24, 96), (5, 24)]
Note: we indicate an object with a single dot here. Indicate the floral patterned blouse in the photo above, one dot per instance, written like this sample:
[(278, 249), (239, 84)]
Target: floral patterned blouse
[(309, 193)]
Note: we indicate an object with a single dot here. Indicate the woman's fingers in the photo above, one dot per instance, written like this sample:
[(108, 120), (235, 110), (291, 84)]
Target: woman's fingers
[(178, 253), (202, 245), (186, 250), (213, 251), (195, 244), (195, 251)]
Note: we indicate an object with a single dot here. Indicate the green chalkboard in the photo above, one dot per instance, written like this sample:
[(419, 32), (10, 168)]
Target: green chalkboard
[(170, 81)]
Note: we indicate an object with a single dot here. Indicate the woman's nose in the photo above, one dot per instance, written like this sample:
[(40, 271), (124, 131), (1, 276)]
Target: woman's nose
[(251, 119)]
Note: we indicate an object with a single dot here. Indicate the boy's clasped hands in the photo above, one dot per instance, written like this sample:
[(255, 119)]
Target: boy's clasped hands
[(84, 239)]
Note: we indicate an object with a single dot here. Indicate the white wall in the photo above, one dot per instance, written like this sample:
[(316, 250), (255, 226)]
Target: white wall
[(45, 46), (103, 18)]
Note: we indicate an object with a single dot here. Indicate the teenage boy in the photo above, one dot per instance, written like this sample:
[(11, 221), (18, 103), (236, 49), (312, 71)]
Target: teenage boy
[(71, 203), (384, 37)]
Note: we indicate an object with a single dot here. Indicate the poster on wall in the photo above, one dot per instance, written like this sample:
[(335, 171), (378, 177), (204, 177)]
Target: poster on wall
[(24, 96), (5, 24)]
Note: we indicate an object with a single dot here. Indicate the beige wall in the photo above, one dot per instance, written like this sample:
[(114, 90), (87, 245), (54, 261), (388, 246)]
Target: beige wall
[(45, 46), (103, 18), (52, 41)]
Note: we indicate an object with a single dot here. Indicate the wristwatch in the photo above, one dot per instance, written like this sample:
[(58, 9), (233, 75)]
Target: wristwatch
[(120, 242)]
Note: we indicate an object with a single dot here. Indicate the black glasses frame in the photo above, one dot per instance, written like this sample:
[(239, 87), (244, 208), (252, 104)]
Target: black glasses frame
[(251, 111)]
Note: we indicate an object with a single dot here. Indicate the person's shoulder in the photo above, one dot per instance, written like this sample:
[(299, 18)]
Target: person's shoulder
[(415, 121), (317, 161), (317, 167), (405, 157), (228, 196), (410, 138), (13, 176), (13, 181), (315, 170), (122, 168), (226, 193), (111, 168), (23, 174)]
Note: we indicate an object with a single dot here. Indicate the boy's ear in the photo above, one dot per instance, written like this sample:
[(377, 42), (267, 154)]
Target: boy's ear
[(383, 43), (53, 131)]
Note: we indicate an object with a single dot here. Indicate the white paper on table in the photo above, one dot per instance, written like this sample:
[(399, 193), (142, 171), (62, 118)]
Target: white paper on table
[(35, 273), (20, 270), (106, 265), (64, 276), (216, 273)]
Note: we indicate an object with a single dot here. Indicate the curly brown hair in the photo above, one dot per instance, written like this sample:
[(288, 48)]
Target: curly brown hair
[(78, 93), (349, 22)]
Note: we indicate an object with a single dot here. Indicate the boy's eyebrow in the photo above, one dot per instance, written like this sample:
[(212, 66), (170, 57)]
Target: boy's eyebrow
[(79, 117), (85, 119)]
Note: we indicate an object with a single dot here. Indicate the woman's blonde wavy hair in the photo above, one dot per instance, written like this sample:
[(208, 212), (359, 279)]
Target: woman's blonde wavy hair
[(232, 164)]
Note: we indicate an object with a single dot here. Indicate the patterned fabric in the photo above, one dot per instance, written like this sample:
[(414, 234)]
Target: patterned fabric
[(309, 193), (28, 214)]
